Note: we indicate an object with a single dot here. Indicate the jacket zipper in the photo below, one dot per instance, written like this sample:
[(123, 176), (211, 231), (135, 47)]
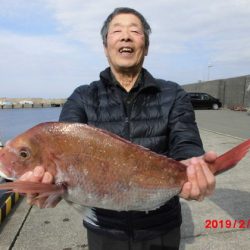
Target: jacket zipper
[(127, 127)]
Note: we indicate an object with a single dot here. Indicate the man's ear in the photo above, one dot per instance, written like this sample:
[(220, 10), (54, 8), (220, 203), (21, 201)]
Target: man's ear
[(105, 50)]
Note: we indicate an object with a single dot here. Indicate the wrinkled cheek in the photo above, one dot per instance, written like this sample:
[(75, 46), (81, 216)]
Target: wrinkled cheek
[(140, 58)]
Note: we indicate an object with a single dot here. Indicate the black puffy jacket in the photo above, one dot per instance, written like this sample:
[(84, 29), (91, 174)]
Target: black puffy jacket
[(161, 118)]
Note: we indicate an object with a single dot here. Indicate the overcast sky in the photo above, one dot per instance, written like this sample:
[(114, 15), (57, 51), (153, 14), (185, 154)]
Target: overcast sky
[(49, 47)]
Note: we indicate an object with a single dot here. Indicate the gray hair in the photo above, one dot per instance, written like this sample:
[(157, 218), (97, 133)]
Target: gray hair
[(125, 10)]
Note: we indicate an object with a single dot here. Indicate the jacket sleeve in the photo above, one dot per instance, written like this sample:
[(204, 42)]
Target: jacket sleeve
[(73, 109), (184, 137)]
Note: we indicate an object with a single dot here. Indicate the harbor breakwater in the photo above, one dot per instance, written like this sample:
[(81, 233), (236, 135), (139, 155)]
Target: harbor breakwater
[(13, 103)]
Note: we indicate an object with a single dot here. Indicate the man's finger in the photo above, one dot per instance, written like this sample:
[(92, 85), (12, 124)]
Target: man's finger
[(201, 179), (211, 181), (186, 190), (35, 176), (209, 156), (26, 176), (47, 178), (192, 177), (38, 174)]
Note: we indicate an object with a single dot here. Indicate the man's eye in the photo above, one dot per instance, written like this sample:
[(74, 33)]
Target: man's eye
[(138, 32)]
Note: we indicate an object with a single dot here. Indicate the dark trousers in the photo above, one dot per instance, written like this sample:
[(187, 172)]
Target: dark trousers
[(168, 241)]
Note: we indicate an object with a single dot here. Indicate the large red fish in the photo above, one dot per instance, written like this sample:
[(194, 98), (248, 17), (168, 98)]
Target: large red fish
[(95, 168)]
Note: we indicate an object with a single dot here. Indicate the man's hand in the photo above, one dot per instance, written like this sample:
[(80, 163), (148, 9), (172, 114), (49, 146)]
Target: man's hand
[(201, 181), (38, 175)]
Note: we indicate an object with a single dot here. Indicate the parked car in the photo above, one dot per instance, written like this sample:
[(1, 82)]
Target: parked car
[(204, 100)]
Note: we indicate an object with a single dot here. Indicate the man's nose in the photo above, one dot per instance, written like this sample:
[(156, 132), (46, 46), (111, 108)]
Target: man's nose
[(126, 35)]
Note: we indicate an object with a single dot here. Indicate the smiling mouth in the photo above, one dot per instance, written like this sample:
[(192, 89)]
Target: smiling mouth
[(126, 50)]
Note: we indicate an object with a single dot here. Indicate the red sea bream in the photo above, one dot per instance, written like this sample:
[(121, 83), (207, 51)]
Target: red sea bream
[(94, 168)]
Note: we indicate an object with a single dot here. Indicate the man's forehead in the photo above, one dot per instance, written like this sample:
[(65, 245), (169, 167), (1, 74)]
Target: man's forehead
[(119, 24), (126, 19)]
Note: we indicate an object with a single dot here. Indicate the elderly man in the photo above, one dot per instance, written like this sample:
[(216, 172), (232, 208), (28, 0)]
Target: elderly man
[(127, 100)]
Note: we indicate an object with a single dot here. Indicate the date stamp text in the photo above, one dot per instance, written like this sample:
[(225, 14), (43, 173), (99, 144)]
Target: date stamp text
[(239, 224)]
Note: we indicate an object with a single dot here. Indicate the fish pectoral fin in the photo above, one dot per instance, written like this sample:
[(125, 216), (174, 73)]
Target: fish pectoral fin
[(25, 187), (52, 200)]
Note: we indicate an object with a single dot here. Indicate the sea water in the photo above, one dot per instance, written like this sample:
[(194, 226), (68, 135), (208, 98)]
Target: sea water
[(16, 121)]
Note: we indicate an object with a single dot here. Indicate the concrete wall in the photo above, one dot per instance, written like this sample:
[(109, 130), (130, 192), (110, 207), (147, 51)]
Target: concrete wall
[(231, 92), (247, 92)]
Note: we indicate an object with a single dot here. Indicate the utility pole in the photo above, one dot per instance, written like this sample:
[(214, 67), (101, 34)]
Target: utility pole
[(208, 71)]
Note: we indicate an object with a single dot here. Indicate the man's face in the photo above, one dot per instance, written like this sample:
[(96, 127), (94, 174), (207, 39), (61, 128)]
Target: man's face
[(125, 48)]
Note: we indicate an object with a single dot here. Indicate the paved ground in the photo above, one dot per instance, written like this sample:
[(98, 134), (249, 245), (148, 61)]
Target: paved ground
[(234, 123), (219, 222)]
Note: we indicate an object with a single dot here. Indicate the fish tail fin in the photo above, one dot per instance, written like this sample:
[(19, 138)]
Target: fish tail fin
[(230, 158), (26, 187)]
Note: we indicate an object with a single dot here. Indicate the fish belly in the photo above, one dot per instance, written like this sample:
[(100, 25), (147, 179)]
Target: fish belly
[(136, 199)]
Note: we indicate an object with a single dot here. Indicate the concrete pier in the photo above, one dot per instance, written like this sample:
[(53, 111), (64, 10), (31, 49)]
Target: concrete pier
[(18, 103), (35, 105)]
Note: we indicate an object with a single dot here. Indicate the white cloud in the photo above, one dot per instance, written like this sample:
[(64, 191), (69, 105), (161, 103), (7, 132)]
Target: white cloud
[(187, 36), (232, 50), (36, 64), (170, 20)]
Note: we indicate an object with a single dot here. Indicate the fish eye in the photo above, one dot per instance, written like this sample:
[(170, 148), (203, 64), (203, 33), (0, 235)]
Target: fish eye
[(24, 154)]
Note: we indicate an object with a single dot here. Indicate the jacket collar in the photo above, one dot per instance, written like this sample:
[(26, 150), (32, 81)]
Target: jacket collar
[(148, 80)]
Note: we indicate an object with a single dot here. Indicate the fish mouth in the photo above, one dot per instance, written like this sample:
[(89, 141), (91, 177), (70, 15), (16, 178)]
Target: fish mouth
[(5, 174)]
